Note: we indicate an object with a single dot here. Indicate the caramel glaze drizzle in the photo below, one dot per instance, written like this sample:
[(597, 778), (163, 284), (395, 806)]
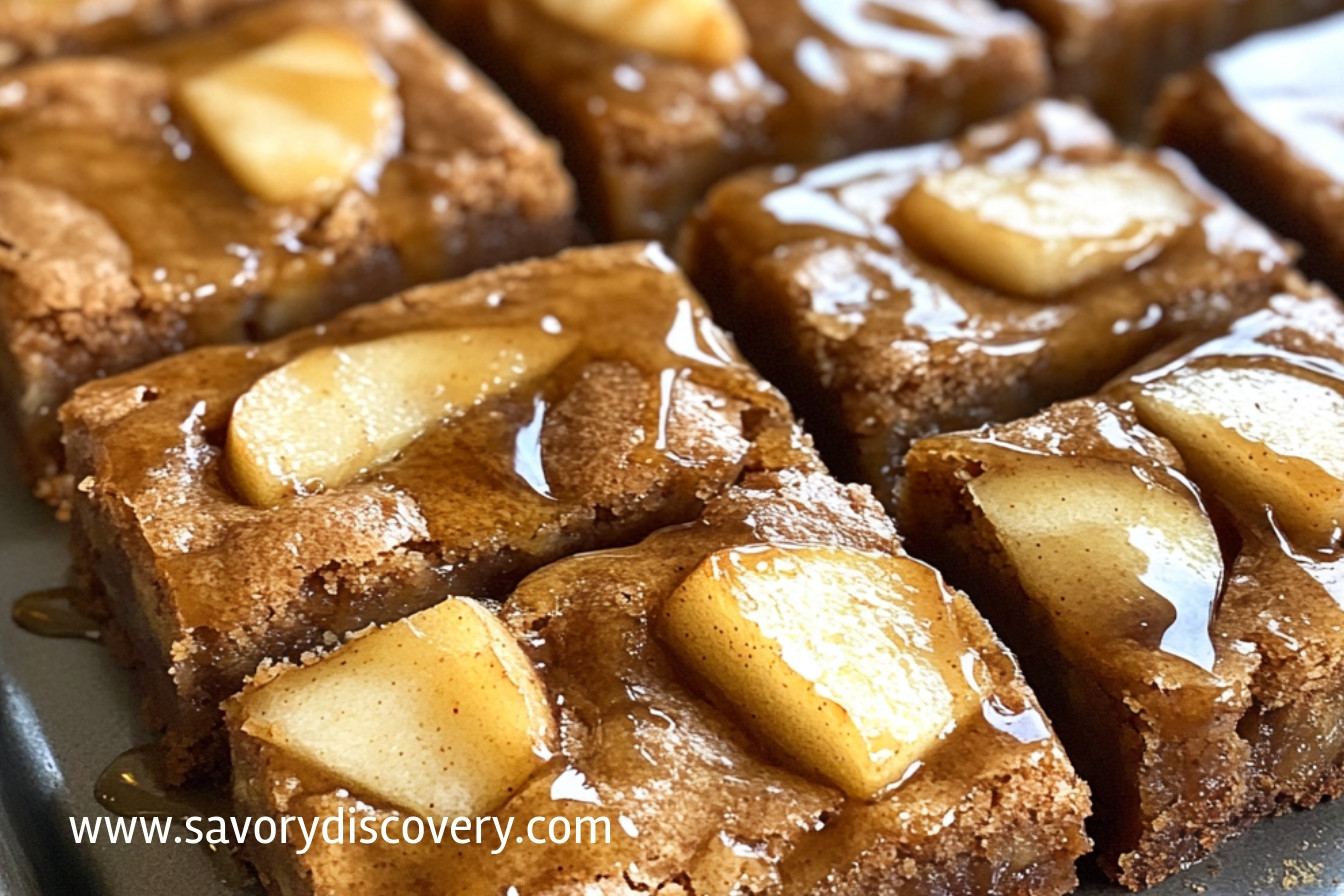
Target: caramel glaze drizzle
[(52, 614), (132, 785)]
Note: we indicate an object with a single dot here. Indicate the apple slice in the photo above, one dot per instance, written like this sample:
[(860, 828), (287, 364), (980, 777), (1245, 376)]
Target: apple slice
[(1110, 554), (302, 117), (847, 662), (1258, 437), (709, 32), (1040, 232), (339, 410), (439, 714)]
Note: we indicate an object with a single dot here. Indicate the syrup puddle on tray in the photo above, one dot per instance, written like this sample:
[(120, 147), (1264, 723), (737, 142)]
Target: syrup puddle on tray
[(132, 786), (52, 614)]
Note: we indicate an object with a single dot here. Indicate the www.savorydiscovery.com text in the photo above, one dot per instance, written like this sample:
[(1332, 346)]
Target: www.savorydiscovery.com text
[(345, 828)]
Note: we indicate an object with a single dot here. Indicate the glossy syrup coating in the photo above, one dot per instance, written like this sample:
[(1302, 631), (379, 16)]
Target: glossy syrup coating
[(859, 76), (1181, 751), (648, 134), (694, 803), (1262, 121), (1115, 53), (1284, 592), (651, 413), (879, 342), (38, 28), (147, 245)]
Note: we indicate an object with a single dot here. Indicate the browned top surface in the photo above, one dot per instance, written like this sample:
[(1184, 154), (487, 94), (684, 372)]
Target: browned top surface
[(1276, 625), (910, 346), (1290, 83), (124, 239), (840, 65), (652, 413), (860, 75), (823, 79), (1264, 120), (695, 805), (1284, 598), (1159, 644), (100, 141)]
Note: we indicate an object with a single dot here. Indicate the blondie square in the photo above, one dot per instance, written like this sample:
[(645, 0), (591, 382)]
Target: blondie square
[(1262, 121), (654, 103), (1164, 558), (913, 291), (598, 708), (239, 503), (241, 181)]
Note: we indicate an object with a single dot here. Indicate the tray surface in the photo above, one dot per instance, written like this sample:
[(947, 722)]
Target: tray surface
[(66, 711)]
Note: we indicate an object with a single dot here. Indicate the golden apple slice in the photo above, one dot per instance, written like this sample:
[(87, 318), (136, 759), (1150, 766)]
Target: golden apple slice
[(1040, 232), (336, 411), (439, 714), (304, 116), (847, 662), (1110, 554), (1258, 437), (705, 31)]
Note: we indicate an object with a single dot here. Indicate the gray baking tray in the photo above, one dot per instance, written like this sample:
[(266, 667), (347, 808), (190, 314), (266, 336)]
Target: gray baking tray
[(66, 711)]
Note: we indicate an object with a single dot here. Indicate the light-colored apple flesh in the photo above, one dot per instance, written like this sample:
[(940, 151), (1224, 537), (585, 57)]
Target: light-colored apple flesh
[(1041, 232), (337, 411), (848, 663), (438, 714), (709, 32), (305, 116), (1109, 554), (1258, 438)]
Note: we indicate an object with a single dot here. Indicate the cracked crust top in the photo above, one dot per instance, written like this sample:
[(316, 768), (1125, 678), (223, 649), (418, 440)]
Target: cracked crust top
[(893, 344), (694, 805), (98, 276), (649, 417)]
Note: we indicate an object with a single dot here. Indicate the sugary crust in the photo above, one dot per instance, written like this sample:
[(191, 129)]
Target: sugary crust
[(1115, 53), (1179, 760), (1262, 168), (990, 807), (69, 301), (1147, 729), (860, 77), (642, 156), (473, 186), (648, 135), (881, 344), (633, 435)]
